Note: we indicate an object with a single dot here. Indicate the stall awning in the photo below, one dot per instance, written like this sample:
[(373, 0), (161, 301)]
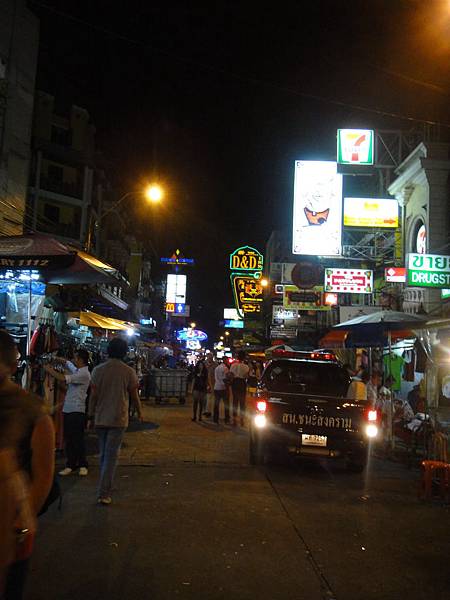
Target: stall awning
[(334, 339), (91, 319)]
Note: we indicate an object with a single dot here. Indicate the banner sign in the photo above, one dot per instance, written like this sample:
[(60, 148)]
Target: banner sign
[(248, 294), (371, 212), (246, 259), (294, 298), (428, 270), (355, 146), (177, 259), (349, 281), (317, 221), (395, 274)]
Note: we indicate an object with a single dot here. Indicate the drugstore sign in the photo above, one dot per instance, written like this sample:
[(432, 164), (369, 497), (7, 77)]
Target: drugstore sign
[(428, 270), (355, 146), (246, 259)]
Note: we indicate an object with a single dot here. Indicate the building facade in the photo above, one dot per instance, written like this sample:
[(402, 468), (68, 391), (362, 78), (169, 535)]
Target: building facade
[(19, 39), (423, 190)]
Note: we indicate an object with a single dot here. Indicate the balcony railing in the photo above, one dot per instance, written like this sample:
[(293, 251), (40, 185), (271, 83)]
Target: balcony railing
[(61, 187)]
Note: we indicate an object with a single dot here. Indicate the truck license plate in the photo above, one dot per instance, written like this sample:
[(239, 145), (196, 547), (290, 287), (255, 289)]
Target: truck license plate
[(314, 440)]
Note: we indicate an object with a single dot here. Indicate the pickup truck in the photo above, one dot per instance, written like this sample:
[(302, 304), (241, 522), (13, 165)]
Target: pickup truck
[(300, 407)]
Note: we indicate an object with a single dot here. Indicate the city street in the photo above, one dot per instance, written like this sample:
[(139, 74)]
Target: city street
[(191, 519)]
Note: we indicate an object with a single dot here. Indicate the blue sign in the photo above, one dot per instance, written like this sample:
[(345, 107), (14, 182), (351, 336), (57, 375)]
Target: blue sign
[(233, 324), (180, 309), (191, 335)]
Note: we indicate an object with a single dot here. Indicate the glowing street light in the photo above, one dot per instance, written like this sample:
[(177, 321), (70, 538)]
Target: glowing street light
[(264, 282), (154, 193), (227, 333), (193, 325)]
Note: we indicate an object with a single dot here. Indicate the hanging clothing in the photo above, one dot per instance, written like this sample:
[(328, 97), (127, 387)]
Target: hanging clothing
[(393, 365), (409, 356)]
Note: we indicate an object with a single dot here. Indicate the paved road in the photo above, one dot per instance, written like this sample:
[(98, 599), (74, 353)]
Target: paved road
[(191, 519)]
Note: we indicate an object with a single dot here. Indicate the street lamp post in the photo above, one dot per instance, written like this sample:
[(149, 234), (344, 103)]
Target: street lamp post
[(154, 193)]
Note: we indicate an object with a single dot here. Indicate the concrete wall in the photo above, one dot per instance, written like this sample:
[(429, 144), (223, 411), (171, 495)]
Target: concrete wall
[(19, 38)]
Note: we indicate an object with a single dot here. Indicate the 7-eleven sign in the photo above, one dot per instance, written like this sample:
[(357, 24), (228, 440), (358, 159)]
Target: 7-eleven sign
[(355, 146)]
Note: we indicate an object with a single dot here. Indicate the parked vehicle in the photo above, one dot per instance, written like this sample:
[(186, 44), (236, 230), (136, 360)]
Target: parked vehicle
[(300, 407)]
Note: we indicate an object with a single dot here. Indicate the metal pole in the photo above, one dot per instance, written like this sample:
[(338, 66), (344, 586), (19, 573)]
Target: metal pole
[(29, 316)]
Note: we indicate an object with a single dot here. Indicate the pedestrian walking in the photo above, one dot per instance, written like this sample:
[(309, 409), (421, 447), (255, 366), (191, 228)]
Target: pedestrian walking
[(239, 371), (221, 376), (77, 378), (211, 367), (372, 388), (200, 388), (113, 384), (28, 438)]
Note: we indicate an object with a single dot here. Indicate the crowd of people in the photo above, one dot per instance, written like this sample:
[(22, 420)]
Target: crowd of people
[(220, 389), (28, 486)]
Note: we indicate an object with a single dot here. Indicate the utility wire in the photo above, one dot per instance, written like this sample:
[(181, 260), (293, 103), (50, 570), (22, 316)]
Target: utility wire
[(255, 80)]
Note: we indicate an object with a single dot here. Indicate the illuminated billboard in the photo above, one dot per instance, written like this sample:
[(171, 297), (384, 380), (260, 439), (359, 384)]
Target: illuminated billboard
[(176, 289), (188, 334), (317, 222), (248, 294), (349, 281), (371, 212), (355, 146), (231, 314), (294, 298), (428, 270)]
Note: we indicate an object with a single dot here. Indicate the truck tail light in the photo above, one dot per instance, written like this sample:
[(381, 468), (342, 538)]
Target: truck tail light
[(261, 406), (372, 416)]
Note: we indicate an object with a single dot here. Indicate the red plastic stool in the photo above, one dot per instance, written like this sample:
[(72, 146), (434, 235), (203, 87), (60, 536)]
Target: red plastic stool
[(432, 469)]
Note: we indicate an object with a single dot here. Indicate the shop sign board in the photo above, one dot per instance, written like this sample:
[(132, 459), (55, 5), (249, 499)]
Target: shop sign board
[(279, 313), (176, 288), (248, 294), (278, 331), (355, 146), (445, 293), (395, 274), (349, 281), (371, 212), (231, 313), (177, 259), (188, 334), (234, 324), (428, 270), (317, 219), (246, 259), (351, 312), (178, 309), (294, 298)]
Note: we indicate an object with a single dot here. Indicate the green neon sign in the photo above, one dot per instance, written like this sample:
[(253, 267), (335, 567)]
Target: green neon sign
[(246, 258), (428, 270)]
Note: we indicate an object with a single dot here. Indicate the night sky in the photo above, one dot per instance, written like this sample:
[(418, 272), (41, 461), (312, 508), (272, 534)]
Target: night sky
[(219, 98)]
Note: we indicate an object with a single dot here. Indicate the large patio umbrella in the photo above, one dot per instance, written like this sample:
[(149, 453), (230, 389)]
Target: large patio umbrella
[(374, 329)]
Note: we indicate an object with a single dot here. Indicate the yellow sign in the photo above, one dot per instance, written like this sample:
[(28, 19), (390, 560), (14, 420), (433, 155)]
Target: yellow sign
[(312, 299), (248, 294), (170, 307), (371, 212)]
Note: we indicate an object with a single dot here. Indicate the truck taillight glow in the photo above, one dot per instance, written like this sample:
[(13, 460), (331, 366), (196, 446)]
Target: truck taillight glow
[(261, 406), (372, 415)]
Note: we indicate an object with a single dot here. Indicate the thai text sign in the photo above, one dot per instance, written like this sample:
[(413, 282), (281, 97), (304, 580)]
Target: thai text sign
[(317, 219), (428, 270), (355, 146), (371, 212), (395, 274), (246, 259), (294, 298), (349, 281)]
